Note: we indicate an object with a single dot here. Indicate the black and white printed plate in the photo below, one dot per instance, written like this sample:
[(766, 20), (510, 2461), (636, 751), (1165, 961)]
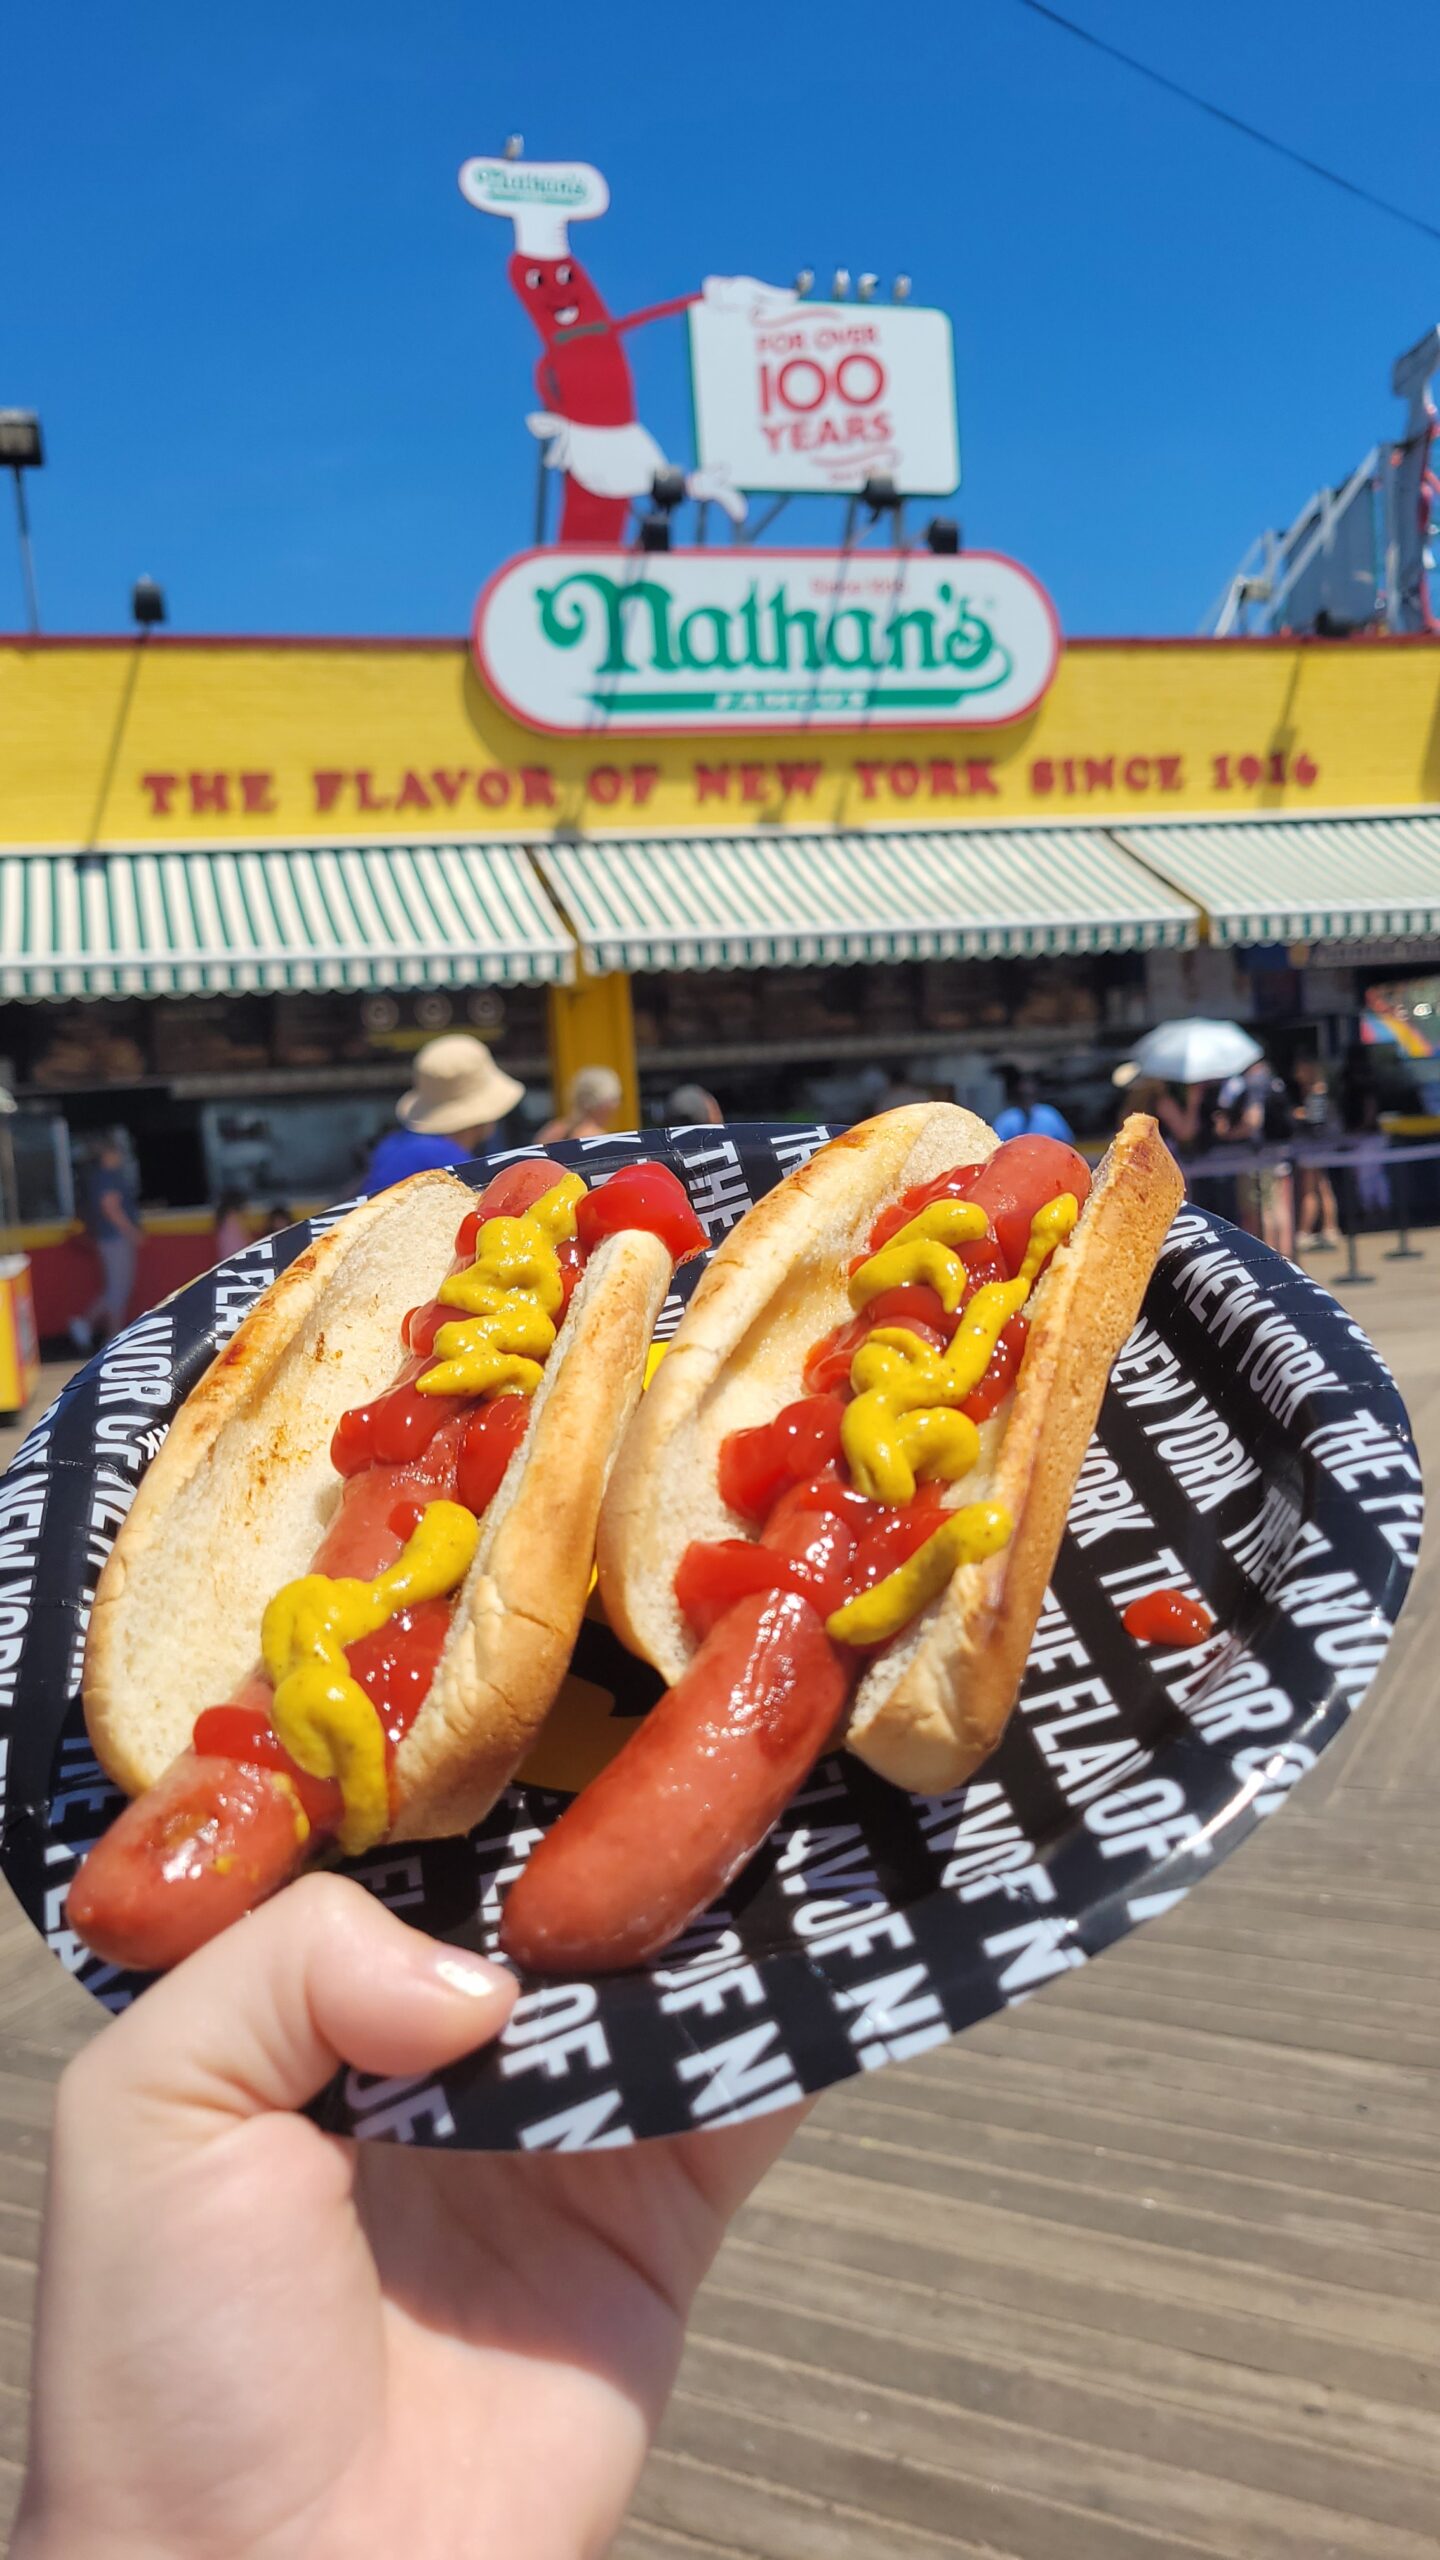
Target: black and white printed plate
[(1252, 1446)]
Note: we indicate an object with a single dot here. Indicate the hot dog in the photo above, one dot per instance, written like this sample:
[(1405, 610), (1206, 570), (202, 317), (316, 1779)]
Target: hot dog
[(351, 1580), (870, 1424)]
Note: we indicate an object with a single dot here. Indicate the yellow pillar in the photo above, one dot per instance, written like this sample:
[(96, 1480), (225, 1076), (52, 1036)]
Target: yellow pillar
[(592, 1024)]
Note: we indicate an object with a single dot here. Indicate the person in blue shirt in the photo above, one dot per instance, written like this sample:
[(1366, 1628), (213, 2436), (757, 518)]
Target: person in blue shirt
[(1025, 1117), (457, 1098), (112, 1219)]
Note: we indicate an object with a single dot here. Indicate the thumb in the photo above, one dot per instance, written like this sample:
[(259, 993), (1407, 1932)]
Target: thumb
[(264, 2015)]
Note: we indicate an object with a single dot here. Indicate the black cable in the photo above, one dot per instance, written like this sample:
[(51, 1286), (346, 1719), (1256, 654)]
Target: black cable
[(1237, 124)]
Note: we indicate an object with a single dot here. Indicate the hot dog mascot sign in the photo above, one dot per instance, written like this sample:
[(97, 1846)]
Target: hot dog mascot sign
[(586, 419), (790, 397)]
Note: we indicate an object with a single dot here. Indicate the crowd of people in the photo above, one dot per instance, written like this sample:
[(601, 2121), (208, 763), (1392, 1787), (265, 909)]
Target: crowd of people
[(460, 1102), (1288, 1201)]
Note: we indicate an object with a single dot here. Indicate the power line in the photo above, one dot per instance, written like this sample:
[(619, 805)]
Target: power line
[(1237, 124)]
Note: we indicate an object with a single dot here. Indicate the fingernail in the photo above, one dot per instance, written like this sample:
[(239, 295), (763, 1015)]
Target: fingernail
[(470, 1975)]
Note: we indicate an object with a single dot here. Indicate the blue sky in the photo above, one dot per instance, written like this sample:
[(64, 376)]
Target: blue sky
[(280, 369)]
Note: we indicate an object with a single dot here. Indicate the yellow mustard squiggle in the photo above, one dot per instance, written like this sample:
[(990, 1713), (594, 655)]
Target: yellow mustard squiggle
[(320, 1712), (923, 1251), (893, 1433), (905, 1424), (975, 1531), (510, 1297), (508, 1300)]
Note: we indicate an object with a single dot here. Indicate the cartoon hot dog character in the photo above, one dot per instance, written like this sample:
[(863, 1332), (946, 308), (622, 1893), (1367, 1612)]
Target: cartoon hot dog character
[(587, 421), (836, 1513), (351, 1580)]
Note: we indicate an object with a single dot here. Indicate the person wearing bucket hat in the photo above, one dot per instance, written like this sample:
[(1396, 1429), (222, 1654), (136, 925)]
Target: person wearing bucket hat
[(457, 1096)]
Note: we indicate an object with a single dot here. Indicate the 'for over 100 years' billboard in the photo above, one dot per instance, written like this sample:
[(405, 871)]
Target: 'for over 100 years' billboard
[(815, 399)]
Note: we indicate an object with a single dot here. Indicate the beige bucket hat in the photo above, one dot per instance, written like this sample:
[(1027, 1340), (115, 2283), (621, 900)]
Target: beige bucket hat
[(457, 1085)]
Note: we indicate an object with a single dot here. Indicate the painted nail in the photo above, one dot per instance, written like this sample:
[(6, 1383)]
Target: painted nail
[(476, 1980)]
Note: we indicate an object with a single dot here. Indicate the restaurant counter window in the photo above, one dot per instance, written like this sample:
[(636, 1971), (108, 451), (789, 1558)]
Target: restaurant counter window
[(687, 1018)]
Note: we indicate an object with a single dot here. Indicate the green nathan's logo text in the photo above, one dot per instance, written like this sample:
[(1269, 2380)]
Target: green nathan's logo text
[(767, 652)]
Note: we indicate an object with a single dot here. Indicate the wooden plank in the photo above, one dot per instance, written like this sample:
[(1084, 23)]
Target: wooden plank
[(773, 2521), (1062, 2406), (15, 2354), (17, 2290), (821, 2446), (1092, 2148), (1305, 1965), (1291, 2022), (1180, 2089), (1067, 2476), (1403, 2319), (1332, 2258), (651, 2542), (22, 2180), (1258, 2331), (1288, 2152), (12, 2481), (1338, 2104), (1005, 2340), (14, 2423), (1086, 2016)]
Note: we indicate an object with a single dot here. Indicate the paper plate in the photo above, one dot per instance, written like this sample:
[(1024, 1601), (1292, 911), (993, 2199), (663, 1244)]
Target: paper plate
[(1251, 1442)]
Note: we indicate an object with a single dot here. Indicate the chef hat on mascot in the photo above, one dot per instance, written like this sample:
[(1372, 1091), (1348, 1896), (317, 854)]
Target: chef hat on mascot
[(541, 197)]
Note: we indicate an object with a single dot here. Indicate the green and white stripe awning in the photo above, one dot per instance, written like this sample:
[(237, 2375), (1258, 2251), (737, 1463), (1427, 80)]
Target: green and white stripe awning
[(145, 924), (1302, 879), (744, 902)]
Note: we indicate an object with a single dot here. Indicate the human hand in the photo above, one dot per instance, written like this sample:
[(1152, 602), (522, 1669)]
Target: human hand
[(256, 2339)]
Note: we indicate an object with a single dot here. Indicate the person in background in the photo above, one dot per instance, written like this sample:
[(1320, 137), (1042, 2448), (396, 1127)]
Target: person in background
[(1255, 1108), (457, 1096), (691, 1107), (1317, 1220), (1025, 1115), (1181, 1120), (275, 1221), (1372, 1182), (112, 1201), (596, 1094), (232, 1228)]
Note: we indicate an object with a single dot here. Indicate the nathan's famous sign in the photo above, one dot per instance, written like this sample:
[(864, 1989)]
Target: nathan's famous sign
[(761, 639), (792, 397)]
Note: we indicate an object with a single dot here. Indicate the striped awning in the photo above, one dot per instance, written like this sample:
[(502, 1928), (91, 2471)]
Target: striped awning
[(144, 924), (1302, 879), (744, 902)]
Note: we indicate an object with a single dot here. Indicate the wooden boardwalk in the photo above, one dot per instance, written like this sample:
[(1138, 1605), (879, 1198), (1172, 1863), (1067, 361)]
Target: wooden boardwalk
[(1147, 2270)]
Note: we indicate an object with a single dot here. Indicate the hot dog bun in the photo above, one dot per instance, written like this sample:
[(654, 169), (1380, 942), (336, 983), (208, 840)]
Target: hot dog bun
[(242, 1490), (933, 1706)]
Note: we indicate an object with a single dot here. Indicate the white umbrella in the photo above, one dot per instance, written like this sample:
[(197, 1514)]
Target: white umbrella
[(1195, 1052)]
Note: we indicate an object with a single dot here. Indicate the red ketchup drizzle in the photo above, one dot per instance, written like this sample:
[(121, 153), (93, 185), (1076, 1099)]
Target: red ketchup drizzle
[(405, 1450), (819, 1536), (245, 1733), (1168, 1618)]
